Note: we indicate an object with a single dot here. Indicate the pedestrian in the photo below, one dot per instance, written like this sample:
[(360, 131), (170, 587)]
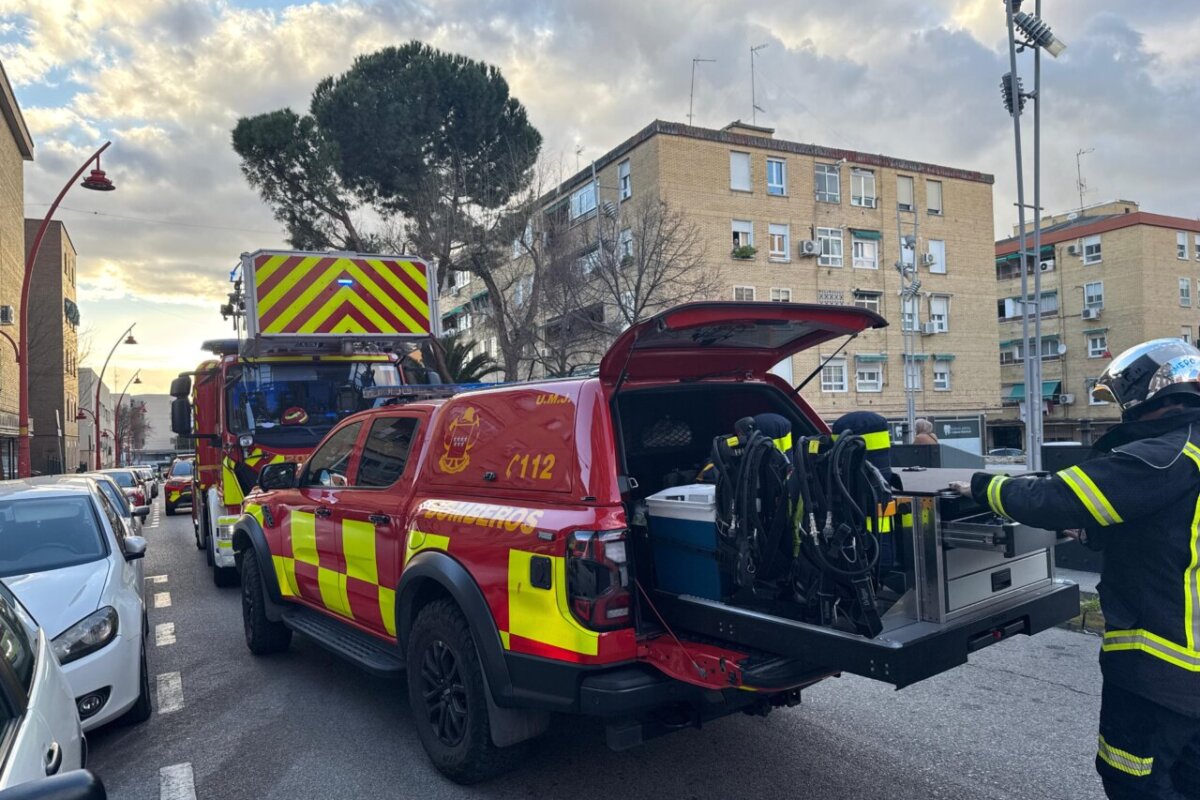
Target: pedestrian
[(1138, 497), (924, 430)]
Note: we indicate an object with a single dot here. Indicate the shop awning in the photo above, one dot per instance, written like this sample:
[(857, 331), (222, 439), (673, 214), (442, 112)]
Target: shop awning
[(453, 311), (860, 233), (943, 356), (1047, 252), (871, 357), (1086, 331), (1049, 389)]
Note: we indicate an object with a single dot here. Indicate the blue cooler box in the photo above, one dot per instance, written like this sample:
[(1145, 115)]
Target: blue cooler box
[(683, 537)]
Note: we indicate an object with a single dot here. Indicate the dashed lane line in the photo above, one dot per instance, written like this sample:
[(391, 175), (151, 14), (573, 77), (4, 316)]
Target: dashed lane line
[(164, 634), (162, 599), (170, 692), (177, 782)]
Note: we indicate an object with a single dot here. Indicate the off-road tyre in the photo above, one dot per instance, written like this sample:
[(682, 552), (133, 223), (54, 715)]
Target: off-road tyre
[(445, 678), (141, 710), (169, 509), (263, 636)]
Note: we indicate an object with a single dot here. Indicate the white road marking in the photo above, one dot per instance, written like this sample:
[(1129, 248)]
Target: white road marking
[(157, 578), (177, 782), (164, 634), (170, 692), (162, 599)]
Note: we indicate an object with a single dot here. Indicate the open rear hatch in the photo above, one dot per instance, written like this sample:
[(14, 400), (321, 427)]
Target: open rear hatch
[(704, 340)]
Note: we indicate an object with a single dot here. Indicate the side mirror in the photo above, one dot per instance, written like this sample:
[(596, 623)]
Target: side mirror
[(75, 785), (181, 386), (278, 476), (181, 416), (135, 548), (141, 512)]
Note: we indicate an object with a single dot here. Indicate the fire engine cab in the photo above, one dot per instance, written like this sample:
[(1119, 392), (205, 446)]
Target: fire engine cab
[(674, 540), (319, 336)]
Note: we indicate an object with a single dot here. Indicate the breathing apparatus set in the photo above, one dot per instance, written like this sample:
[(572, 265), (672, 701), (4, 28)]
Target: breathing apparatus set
[(798, 522)]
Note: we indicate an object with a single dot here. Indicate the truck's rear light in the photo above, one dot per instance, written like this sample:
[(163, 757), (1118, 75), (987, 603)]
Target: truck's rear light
[(598, 579)]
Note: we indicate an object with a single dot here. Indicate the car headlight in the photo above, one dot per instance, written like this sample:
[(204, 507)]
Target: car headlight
[(86, 636)]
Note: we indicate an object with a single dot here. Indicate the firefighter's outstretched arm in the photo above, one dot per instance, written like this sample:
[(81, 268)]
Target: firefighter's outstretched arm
[(1103, 492)]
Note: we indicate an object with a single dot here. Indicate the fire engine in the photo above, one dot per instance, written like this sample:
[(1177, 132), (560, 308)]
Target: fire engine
[(319, 334), (553, 547)]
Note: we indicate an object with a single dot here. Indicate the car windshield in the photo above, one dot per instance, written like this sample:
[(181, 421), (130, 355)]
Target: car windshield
[(124, 479), (294, 405), (39, 534), (181, 469)]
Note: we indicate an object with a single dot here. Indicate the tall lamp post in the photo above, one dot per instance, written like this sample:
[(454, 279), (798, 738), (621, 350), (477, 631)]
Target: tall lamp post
[(1035, 35), (96, 181), (117, 415), (125, 338)]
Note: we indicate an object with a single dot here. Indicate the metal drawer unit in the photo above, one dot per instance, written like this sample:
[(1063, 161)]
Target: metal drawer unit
[(966, 561)]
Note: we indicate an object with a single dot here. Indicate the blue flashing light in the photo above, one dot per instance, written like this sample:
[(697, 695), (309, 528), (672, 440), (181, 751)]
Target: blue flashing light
[(345, 282)]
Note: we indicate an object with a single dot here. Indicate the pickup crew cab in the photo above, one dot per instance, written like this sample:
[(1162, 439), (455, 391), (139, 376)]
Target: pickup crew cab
[(493, 546)]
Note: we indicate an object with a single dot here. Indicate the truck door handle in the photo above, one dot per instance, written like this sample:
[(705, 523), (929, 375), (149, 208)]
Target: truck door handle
[(322, 511), (53, 758), (380, 519)]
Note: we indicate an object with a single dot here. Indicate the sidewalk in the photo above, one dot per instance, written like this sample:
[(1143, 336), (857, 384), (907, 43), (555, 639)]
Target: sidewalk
[(1087, 580)]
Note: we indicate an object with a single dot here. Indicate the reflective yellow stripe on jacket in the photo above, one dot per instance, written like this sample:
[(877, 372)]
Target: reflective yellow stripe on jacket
[(993, 494), (1191, 576), (1125, 761), (1090, 495)]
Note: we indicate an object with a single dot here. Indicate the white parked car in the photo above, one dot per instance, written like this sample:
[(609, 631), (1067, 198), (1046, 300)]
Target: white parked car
[(66, 553), (134, 515), (36, 703)]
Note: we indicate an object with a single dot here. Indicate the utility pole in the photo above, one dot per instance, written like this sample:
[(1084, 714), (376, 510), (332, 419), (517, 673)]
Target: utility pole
[(1080, 183), (754, 109), (910, 288), (692, 93)]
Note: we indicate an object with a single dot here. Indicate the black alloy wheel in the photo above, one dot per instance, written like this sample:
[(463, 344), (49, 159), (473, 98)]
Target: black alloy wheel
[(444, 692)]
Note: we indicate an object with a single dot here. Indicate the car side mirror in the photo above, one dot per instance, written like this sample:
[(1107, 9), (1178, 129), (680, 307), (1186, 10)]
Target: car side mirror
[(141, 512), (278, 476), (135, 548), (77, 784)]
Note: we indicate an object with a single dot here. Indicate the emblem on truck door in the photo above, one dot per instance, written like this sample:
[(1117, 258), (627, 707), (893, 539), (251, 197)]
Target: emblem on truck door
[(461, 434)]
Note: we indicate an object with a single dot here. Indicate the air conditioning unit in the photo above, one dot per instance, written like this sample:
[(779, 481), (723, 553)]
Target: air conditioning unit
[(928, 260), (1066, 399), (1072, 249), (1046, 266), (6, 315), (928, 328), (809, 247), (1091, 313)]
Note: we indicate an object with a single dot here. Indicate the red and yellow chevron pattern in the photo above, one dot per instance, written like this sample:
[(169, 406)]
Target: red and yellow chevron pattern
[(307, 294)]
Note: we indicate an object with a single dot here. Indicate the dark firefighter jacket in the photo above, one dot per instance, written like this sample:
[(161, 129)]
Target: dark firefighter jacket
[(1140, 496)]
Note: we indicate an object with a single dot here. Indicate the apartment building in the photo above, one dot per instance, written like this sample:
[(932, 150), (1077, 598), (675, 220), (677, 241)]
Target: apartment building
[(1112, 276), (87, 429), (16, 147), (54, 351), (786, 221)]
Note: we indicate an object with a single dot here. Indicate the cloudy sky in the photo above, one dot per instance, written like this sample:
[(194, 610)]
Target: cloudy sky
[(167, 79)]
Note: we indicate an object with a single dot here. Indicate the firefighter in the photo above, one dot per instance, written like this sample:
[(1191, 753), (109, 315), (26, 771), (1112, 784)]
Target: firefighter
[(1139, 496)]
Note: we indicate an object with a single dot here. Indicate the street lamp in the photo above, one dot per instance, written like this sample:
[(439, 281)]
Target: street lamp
[(125, 338), (1037, 36), (117, 414), (96, 181)]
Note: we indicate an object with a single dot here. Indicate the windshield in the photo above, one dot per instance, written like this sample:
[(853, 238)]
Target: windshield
[(43, 534), (181, 469), (123, 479), (296, 404)]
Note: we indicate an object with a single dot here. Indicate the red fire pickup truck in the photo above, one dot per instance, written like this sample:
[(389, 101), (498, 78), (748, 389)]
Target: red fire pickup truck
[(495, 549)]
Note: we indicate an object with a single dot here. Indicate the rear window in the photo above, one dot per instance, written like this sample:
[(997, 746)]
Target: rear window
[(43, 534), (124, 479), (181, 469)]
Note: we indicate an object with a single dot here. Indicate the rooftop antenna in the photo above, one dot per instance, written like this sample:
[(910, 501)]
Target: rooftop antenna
[(578, 151), (754, 107), (692, 93), (1080, 183)]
